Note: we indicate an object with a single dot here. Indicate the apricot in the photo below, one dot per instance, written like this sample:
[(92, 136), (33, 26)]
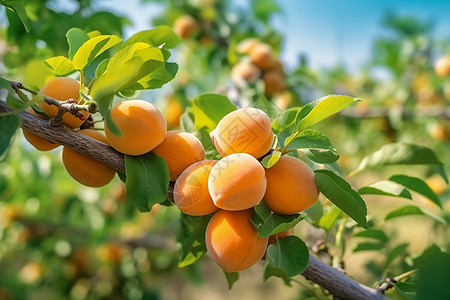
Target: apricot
[(39, 143), (261, 56), (291, 186), (185, 26), (84, 169), (233, 242), (63, 88), (442, 66), (237, 182), (246, 45), (173, 112), (142, 125), (180, 150), (274, 82), (190, 192), (245, 71), (246, 130)]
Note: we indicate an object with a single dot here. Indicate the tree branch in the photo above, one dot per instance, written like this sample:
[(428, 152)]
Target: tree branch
[(334, 281)]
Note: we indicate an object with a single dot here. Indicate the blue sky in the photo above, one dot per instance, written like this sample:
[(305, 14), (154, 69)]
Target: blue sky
[(327, 31)]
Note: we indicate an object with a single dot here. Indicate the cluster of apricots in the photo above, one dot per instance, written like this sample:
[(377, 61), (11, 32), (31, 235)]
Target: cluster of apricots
[(259, 62), (230, 187)]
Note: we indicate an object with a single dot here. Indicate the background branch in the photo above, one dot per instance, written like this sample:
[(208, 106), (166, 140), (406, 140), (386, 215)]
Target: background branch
[(335, 282)]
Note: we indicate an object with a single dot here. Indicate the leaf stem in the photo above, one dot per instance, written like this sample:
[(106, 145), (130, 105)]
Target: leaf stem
[(285, 149)]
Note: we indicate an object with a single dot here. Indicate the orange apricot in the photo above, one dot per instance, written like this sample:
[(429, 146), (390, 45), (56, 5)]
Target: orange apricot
[(237, 182), (190, 192), (274, 82), (185, 26), (246, 46), (63, 88), (245, 71), (291, 186), (84, 169), (246, 130), (261, 56), (232, 240), (173, 112), (142, 125), (39, 143), (180, 150), (442, 66)]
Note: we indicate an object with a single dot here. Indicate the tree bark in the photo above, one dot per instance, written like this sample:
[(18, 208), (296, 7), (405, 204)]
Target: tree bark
[(337, 283)]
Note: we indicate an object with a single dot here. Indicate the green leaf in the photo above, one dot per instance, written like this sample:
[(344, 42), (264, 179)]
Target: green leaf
[(93, 48), (161, 35), (156, 79), (339, 191), (268, 223), (7, 94), (9, 123), (208, 145), (231, 278), (18, 7), (329, 219), (209, 109), (406, 289), (271, 159), (409, 210), (192, 238), (187, 121), (75, 38), (60, 65), (368, 247), (101, 68), (376, 234), (322, 108), (147, 180), (320, 148), (395, 252), (385, 188), (286, 258), (285, 119), (401, 154), (417, 185)]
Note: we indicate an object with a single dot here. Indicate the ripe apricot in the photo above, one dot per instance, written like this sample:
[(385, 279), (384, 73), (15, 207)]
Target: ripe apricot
[(185, 26), (274, 82), (84, 169), (261, 55), (442, 66), (245, 130), (173, 112), (63, 88), (291, 186), (232, 240), (237, 182), (35, 140), (245, 71), (142, 125), (190, 192), (180, 150), (246, 46)]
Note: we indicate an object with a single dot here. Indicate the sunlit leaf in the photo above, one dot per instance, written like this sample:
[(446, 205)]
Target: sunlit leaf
[(385, 188), (161, 35), (271, 159), (409, 210), (75, 38), (209, 109), (192, 238), (327, 221), (417, 185), (60, 65), (93, 48)]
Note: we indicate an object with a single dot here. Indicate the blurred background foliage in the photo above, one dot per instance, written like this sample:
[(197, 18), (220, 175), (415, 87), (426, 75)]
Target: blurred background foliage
[(60, 240)]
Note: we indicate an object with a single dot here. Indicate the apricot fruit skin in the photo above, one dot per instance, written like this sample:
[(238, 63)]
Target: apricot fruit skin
[(180, 150), (245, 71), (237, 182), (142, 125), (274, 82), (185, 26), (442, 66), (84, 169), (291, 186), (232, 240), (190, 192), (62, 89), (39, 143), (262, 57), (246, 130)]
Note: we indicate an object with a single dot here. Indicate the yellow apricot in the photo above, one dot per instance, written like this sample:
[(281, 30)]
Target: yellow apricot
[(442, 66), (180, 150), (274, 82), (173, 112), (232, 240), (185, 26), (245, 71), (246, 130), (84, 169), (261, 56), (39, 143), (237, 182), (246, 46), (190, 192), (142, 125), (63, 88), (291, 186)]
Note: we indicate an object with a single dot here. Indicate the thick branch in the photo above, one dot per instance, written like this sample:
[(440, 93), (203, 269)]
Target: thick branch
[(334, 281)]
